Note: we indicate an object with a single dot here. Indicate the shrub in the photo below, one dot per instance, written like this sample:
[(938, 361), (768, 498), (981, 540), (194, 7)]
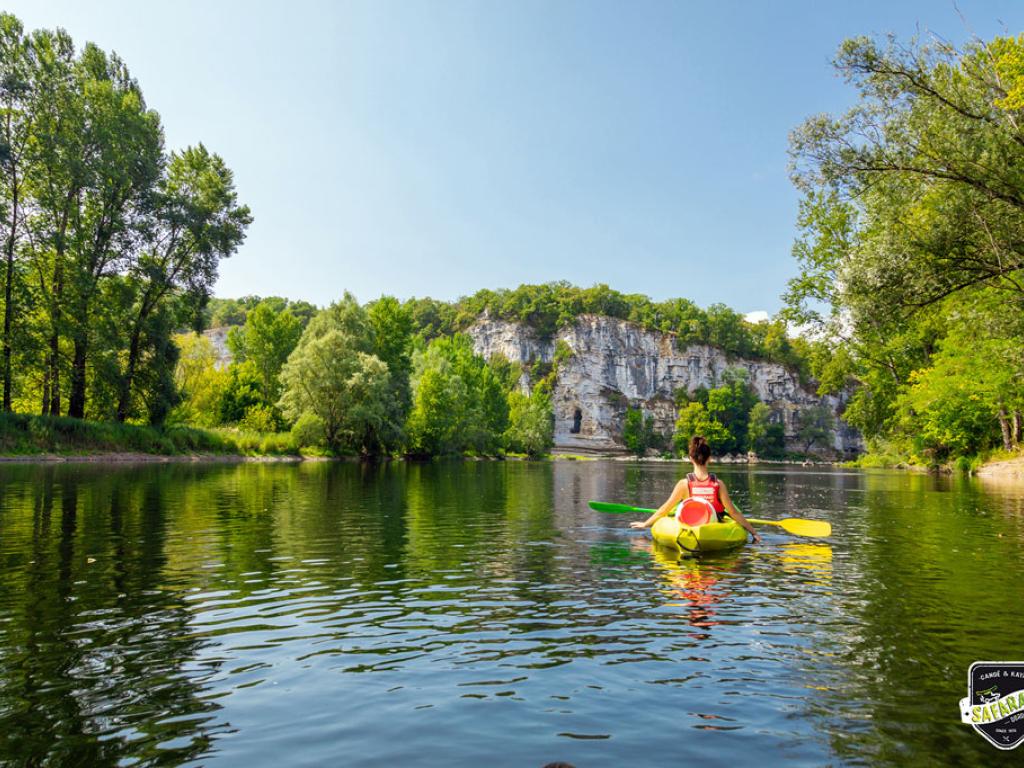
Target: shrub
[(308, 431), (258, 418)]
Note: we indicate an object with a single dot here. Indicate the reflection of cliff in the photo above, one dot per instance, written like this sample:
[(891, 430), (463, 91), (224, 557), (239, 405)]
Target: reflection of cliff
[(615, 363)]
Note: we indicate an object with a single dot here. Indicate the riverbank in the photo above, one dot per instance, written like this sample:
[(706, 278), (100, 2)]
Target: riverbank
[(122, 457), (25, 437), (1007, 469), (991, 464)]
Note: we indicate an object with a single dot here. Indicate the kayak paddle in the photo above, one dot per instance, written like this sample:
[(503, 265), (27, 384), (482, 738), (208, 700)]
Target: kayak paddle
[(798, 526), (794, 525), (617, 509)]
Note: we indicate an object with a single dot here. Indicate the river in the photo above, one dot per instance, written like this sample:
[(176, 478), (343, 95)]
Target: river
[(479, 613)]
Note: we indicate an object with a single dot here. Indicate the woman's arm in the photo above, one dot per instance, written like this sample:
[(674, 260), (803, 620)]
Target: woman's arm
[(680, 492), (734, 513)]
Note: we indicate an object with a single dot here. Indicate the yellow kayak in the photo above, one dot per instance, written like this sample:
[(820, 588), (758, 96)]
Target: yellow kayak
[(710, 537)]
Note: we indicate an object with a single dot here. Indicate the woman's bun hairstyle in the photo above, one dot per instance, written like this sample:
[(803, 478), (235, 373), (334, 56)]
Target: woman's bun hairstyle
[(700, 451)]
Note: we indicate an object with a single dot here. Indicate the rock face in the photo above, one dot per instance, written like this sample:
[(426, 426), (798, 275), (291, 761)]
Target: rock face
[(616, 364), (219, 338)]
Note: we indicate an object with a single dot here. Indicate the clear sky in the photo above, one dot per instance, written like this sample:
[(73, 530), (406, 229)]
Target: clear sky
[(435, 148)]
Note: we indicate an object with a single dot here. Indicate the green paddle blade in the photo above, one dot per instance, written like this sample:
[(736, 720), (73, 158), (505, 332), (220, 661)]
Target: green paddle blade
[(618, 509)]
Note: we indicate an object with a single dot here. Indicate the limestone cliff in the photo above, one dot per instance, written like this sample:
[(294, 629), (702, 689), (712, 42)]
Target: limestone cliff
[(615, 364)]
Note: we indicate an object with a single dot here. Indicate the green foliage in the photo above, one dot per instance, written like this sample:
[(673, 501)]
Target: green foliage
[(390, 324), (724, 416), (730, 405), (912, 245), (218, 313), (957, 405), (24, 434), (693, 420), (563, 352), (267, 338), (242, 392), (258, 418), (531, 424), (508, 373), (814, 427), (308, 431), (764, 437), (547, 307), (459, 402), (332, 376), (638, 432), (198, 381), (111, 243)]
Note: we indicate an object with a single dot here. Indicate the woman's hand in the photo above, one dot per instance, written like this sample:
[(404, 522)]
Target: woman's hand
[(638, 524), (755, 538)]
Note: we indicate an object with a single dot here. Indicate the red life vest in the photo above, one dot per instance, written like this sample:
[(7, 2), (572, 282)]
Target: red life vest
[(707, 489)]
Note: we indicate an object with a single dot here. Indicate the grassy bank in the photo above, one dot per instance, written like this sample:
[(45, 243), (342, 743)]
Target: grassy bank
[(888, 457), (26, 435)]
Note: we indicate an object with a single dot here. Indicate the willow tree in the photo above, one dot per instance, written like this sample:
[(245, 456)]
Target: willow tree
[(334, 376)]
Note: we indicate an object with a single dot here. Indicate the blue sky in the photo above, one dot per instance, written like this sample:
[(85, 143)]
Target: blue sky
[(434, 148)]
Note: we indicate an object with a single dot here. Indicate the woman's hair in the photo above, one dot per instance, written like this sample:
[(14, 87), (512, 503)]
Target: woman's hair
[(700, 451)]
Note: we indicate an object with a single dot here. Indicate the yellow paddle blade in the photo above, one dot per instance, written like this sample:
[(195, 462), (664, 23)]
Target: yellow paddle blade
[(799, 527)]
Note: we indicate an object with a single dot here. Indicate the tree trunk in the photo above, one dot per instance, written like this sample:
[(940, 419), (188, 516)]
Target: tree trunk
[(1018, 426), (8, 293), (46, 386), (55, 315), (125, 398), (54, 374), (76, 400), (1004, 426)]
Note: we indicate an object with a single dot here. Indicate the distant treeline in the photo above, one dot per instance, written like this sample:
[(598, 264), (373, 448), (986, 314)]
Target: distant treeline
[(352, 379), (547, 307), (385, 378)]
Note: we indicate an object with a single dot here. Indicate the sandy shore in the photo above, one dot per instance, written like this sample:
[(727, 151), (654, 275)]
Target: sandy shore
[(1010, 469)]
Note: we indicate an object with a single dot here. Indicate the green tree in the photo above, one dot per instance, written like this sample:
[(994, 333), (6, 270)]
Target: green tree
[(638, 432), (730, 406), (328, 376), (15, 134), (266, 340), (197, 222), (765, 437), (968, 398), (438, 410), (56, 175), (459, 402), (199, 381), (694, 420), (391, 326), (726, 329), (531, 423), (815, 426), (913, 211), (241, 392), (123, 145)]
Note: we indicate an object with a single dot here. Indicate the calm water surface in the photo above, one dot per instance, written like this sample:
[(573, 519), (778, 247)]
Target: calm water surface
[(481, 614)]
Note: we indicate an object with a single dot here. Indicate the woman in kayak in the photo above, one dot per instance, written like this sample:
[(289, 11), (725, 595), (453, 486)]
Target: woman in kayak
[(700, 484)]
